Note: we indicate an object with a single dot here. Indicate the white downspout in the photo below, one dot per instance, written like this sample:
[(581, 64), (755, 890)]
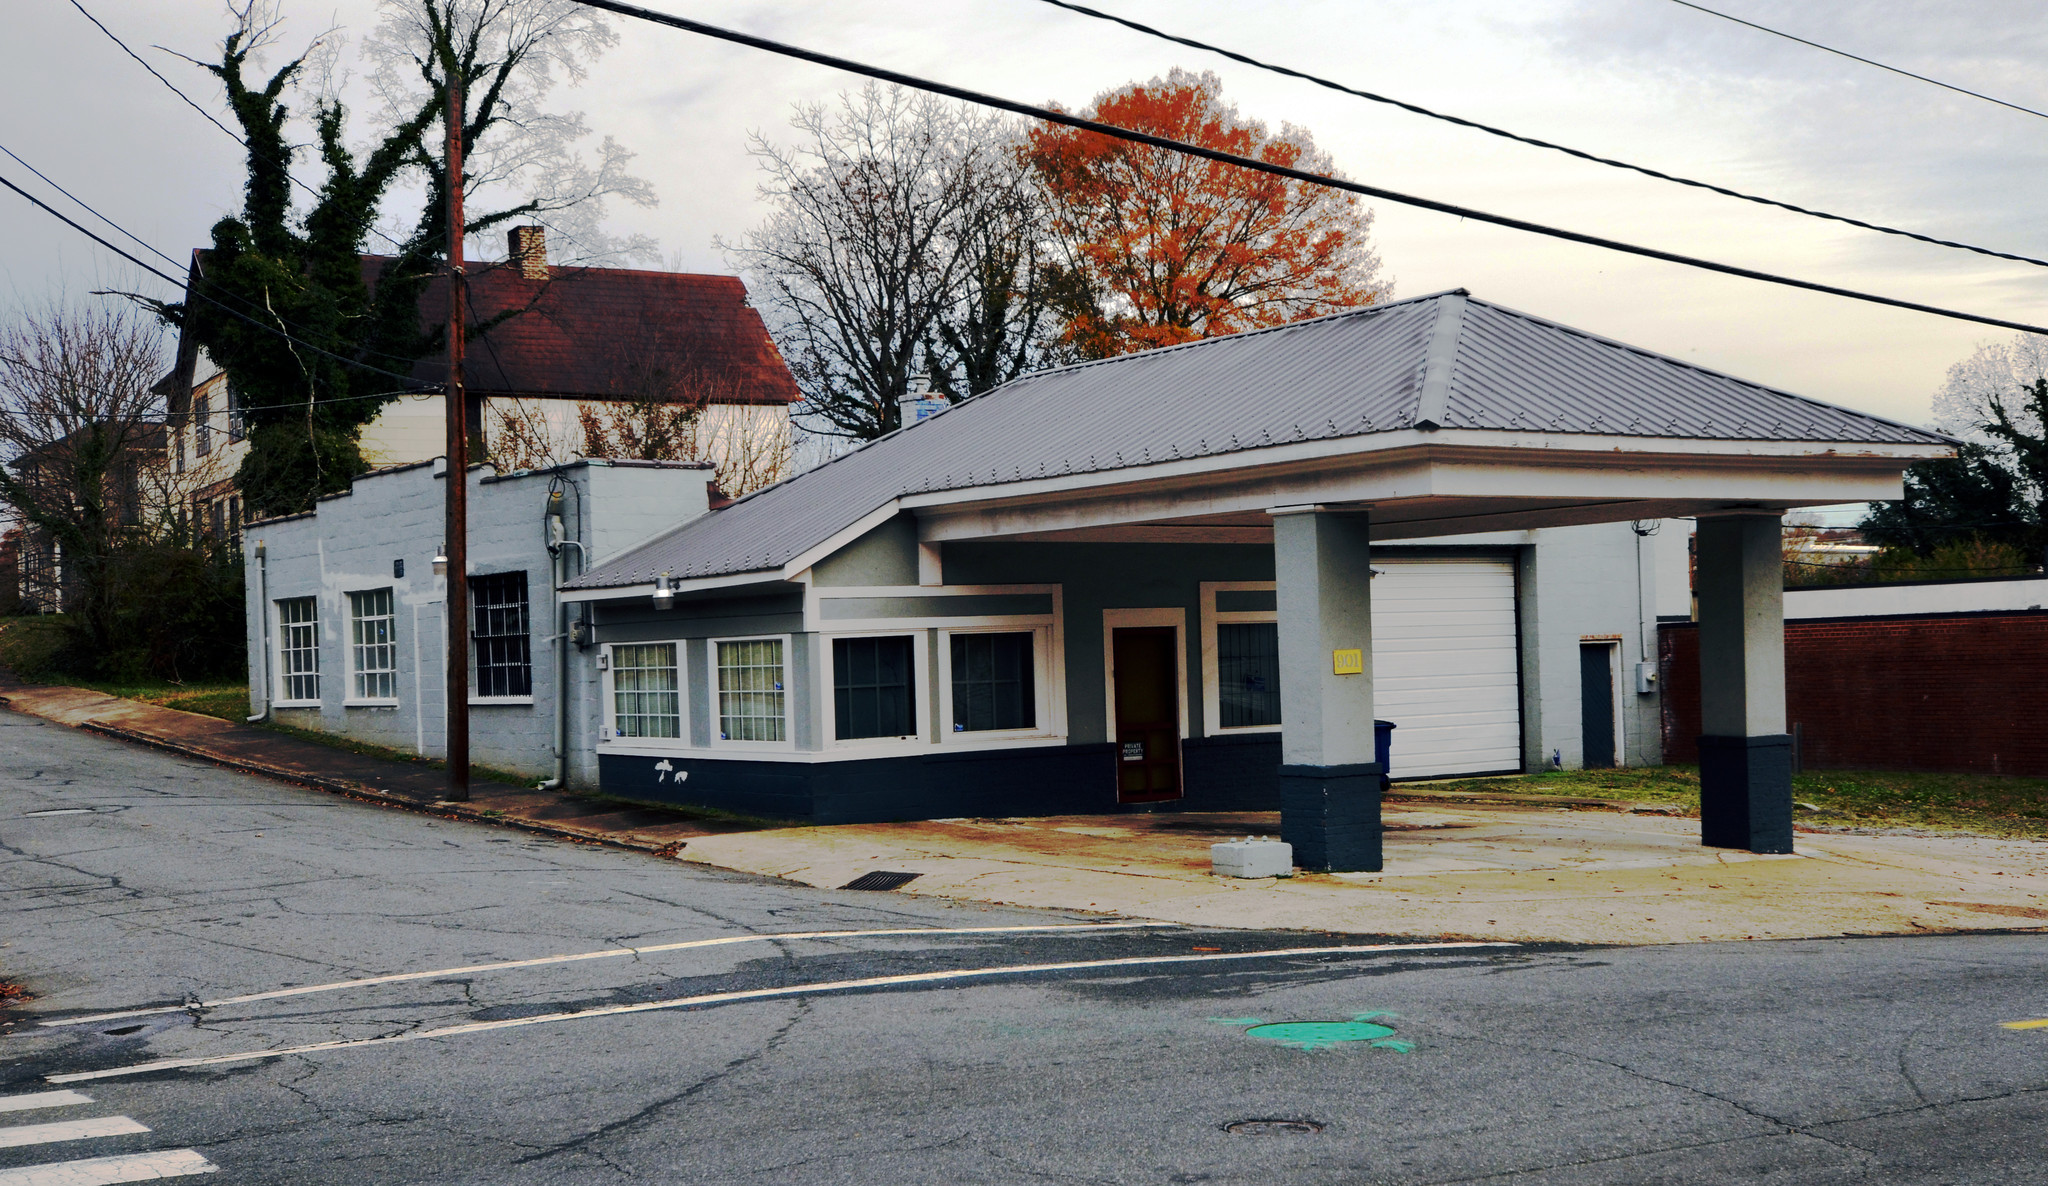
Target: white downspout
[(562, 643), (263, 609)]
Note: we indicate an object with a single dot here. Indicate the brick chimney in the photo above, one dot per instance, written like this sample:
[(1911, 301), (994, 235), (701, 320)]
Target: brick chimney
[(530, 251)]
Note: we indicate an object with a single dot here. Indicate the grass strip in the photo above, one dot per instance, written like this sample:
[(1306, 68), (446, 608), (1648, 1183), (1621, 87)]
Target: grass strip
[(1990, 804)]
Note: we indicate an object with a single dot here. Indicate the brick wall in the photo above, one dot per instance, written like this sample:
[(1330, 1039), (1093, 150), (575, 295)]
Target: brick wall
[(1962, 693)]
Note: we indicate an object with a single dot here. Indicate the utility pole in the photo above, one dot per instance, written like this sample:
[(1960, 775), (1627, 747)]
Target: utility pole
[(457, 493)]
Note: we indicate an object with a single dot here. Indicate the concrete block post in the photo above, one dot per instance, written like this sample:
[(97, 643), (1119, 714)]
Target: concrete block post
[(1329, 782), (1745, 752)]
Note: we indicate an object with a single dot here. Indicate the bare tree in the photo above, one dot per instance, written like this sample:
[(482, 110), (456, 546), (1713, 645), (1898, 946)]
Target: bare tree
[(906, 237), (512, 55), (1994, 379), (82, 431)]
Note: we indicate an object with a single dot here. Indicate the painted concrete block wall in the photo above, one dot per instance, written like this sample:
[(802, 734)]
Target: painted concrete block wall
[(1579, 583), (1672, 546), (350, 543), (640, 500), (1096, 577)]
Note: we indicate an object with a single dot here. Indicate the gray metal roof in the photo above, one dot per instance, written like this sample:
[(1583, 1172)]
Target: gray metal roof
[(1445, 361)]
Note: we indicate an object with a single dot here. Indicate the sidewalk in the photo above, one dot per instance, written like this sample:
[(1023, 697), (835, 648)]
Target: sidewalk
[(1492, 866), (416, 786), (1495, 870)]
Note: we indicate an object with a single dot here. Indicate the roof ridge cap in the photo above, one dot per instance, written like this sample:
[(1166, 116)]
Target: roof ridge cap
[(1437, 360), (1359, 311)]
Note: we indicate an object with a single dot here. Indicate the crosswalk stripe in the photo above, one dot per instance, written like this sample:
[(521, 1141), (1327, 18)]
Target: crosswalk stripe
[(69, 1130), (105, 1171), (607, 953), (42, 1099)]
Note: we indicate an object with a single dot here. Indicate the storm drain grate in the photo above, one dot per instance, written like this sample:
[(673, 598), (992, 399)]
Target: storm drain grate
[(1273, 1128), (879, 880)]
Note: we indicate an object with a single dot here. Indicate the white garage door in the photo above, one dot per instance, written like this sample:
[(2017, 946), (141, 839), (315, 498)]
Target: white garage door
[(1444, 665)]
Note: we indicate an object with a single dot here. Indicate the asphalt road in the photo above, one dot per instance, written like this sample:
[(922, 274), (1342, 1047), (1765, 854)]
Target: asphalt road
[(166, 882)]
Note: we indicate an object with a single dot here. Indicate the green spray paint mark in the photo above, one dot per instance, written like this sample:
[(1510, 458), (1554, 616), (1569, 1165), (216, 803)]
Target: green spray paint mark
[(1321, 1035)]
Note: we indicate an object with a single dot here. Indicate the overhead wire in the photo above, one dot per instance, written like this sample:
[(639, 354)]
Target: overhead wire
[(194, 105), (152, 249), (1490, 130), (1843, 53), (237, 137), (1066, 119), (221, 305), (83, 205)]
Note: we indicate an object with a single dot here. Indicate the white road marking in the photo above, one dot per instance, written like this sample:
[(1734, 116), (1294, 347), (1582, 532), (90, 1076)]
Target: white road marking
[(607, 953), (69, 1130), (42, 1099), (105, 1171), (752, 994)]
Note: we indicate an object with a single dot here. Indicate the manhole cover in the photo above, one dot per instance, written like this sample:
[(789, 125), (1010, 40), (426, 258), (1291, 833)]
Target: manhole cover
[(1273, 1128), (879, 880)]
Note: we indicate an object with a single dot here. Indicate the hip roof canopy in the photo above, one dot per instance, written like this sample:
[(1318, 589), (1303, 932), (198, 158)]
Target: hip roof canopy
[(1441, 415)]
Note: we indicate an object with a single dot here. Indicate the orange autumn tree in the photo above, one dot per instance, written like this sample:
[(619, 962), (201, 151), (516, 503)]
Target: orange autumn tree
[(1170, 248)]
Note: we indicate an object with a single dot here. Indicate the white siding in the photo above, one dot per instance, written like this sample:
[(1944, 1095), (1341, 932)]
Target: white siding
[(1445, 665)]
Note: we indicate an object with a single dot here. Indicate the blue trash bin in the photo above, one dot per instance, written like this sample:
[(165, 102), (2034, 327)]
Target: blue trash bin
[(1382, 752)]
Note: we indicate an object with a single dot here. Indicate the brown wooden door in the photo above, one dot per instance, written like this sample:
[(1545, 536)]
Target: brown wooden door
[(1146, 663)]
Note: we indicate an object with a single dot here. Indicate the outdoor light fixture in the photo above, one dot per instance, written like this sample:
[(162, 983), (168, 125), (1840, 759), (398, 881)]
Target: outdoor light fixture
[(664, 593), (441, 561)]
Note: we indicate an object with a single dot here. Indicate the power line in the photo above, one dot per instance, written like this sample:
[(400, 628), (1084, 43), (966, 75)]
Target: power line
[(152, 69), (1842, 53), (151, 248), (223, 307), (1490, 130), (194, 105), (88, 209), (237, 137), (1088, 125)]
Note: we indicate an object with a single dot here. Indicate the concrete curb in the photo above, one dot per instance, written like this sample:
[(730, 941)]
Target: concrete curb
[(356, 790)]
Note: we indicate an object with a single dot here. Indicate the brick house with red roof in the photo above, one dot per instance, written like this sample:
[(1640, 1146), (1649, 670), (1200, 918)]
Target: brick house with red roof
[(578, 348)]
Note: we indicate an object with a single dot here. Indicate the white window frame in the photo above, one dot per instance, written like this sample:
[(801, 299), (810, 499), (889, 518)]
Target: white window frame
[(1048, 707), (1112, 620), (1212, 686), (921, 690), (788, 742), (608, 728), (278, 626), (349, 644)]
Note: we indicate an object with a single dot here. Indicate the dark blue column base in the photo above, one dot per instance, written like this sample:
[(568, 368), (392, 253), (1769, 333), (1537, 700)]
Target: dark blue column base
[(1331, 815), (1746, 792)]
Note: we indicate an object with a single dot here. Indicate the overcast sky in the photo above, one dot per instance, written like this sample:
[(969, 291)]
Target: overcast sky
[(1645, 80)]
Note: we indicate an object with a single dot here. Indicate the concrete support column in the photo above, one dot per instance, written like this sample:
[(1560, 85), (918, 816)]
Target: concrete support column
[(1329, 782), (1745, 752)]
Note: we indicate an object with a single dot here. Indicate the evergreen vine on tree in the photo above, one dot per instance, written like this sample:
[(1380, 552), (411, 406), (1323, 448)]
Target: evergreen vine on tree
[(313, 342)]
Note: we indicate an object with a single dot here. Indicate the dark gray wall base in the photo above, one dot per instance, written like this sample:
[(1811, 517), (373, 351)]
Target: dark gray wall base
[(1331, 815), (1746, 792), (1219, 774), (1228, 774)]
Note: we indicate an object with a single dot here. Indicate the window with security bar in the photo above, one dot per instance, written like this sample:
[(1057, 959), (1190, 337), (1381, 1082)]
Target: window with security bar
[(750, 695), (873, 690), (994, 682), (373, 647), (1248, 674), (500, 635), (647, 698), (298, 647)]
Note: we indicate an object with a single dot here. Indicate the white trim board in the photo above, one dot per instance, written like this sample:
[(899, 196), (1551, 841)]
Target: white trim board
[(1112, 619)]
